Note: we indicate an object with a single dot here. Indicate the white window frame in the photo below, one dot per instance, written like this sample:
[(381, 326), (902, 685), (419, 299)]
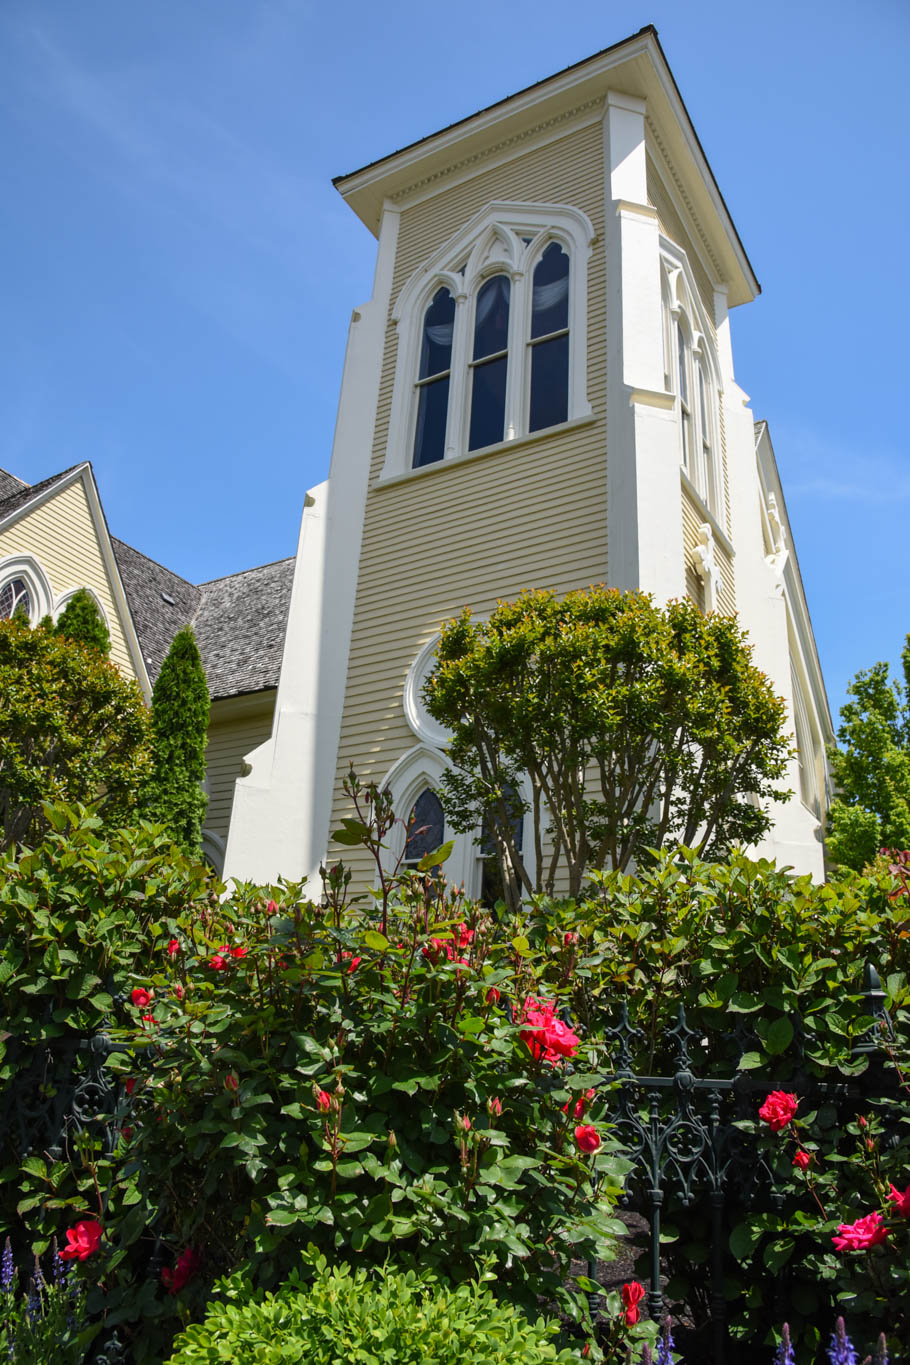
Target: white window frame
[(489, 244), (683, 310), (27, 568)]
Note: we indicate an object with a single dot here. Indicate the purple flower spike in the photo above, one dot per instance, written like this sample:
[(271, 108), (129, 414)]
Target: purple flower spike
[(841, 1351), (784, 1353), (881, 1350), (646, 1356), (7, 1270), (665, 1345)]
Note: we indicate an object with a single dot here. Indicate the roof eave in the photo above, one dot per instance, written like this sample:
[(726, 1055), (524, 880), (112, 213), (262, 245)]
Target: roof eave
[(635, 66)]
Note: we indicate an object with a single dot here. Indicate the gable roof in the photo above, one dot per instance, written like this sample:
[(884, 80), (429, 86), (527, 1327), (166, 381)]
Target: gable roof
[(239, 620)]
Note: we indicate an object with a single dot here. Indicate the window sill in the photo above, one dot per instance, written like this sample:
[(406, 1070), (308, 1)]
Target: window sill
[(720, 535), (546, 433)]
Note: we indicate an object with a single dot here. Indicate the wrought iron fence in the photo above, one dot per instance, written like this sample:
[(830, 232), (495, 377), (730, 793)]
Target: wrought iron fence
[(679, 1130)]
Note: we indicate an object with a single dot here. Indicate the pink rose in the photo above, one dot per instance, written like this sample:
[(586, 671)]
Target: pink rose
[(587, 1138), (494, 1107), (865, 1232), (82, 1241), (778, 1110)]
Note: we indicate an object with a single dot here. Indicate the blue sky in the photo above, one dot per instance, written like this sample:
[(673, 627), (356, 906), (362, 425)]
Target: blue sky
[(178, 272)]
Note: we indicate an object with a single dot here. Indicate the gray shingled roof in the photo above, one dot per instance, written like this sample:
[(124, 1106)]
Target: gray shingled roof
[(240, 627), (239, 620), (24, 492), (160, 602), (9, 484)]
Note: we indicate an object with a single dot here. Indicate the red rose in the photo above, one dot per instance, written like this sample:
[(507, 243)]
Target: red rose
[(141, 997), (188, 1265), (865, 1232), (900, 1201), (494, 1106), (632, 1295), (587, 1137), (271, 908), (83, 1240), (492, 996), (861, 1121), (230, 1081), (217, 962), (465, 935), (178, 991), (126, 1132), (569, 939), (354, 962), (239, 952), (545, 1035), (582, 1103), (129, 1085), (323, 1101), (173, 948), (778, 1110), (802, 1159)]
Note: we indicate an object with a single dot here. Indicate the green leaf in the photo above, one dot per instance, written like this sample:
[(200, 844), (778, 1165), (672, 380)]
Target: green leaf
[(373, 939), (437, 857), (749, 1061), (779, 1036)]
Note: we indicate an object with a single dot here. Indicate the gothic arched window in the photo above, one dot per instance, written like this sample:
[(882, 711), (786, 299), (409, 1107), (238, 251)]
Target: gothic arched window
[(15, 600), (433, 379), (490, 363), (549, 340), (426, 827)]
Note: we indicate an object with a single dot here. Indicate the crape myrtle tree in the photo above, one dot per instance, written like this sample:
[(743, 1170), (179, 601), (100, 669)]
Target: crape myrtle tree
[(81, 620), (619, 724), (72, 729), (180, 717), (871, 767)]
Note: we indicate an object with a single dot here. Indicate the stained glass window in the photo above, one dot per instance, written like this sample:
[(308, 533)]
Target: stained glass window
[(489, 363), (426, 826), (15, 599)]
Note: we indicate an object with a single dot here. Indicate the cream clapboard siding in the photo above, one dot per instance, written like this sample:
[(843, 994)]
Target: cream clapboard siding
[(533, 515), (61, 535), (692, 518), (229, 740)]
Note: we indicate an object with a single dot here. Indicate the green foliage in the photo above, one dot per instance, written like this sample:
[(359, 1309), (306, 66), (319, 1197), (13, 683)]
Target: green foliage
[(72, 729), (635, 725), (81, 621), (871, 768), (744, 945), (402, 1316), (80, 916), (180, 717)]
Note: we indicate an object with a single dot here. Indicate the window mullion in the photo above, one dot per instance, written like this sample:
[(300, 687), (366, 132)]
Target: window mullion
[(519, 327), (460, 382)]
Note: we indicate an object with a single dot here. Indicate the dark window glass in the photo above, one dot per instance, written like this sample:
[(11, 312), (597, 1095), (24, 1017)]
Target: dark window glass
[(491, 883), (491, 319), (438, 322), (549, 383), (432, 409), (426, 826), (15, 600), (550, 298), (488, 403)]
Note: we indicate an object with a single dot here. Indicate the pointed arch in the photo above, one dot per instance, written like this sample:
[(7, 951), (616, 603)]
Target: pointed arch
[(23, 571)]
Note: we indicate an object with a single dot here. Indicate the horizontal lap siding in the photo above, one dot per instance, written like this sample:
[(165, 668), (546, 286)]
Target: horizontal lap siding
[(228, 743), (61, 535), (469, 533)]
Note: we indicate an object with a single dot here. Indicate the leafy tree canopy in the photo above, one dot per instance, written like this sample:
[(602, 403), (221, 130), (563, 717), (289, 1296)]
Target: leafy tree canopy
[(82, 621), (871, 767), (180, 717), (72, 729), (627, 725)]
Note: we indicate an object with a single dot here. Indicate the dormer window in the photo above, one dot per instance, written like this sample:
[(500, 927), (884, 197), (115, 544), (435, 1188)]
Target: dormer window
[(492, 336)]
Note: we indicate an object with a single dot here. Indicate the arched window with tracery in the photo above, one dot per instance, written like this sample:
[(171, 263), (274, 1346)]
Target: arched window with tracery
[(433, 379), (549, 340), (426, 828), (16, 600), (490, 363)]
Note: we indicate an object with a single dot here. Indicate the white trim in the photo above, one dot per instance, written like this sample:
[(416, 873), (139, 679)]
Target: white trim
[(545, 433), (213, 847), (416, 714), (26, 566), (488, 244), (71, 592)]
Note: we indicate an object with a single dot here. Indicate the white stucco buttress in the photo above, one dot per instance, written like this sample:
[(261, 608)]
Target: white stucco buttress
[(282, 809)]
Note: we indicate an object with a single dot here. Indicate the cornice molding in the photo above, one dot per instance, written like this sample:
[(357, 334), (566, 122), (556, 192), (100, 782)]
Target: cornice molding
[(716, 271), (486, 154)]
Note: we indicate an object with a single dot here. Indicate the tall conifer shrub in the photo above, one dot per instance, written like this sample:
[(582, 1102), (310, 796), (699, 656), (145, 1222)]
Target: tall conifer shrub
[(180, 717), (81, 620)]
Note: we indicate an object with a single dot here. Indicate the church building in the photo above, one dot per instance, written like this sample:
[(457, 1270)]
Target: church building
[(540, 393)]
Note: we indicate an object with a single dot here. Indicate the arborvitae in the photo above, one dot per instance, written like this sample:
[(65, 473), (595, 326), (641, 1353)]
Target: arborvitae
[(81, 620), (180, 717)]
